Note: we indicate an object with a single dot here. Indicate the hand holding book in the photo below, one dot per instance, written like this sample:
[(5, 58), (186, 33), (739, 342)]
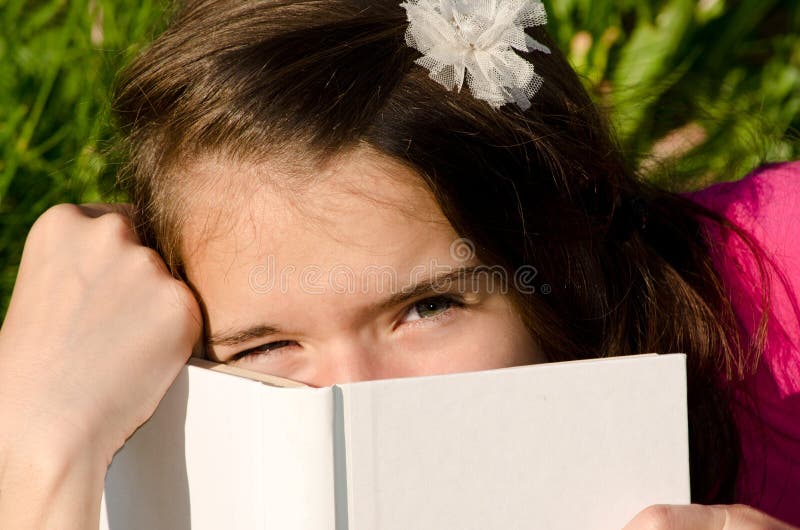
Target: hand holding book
[(556, 446), (76, 379), (699, 517)]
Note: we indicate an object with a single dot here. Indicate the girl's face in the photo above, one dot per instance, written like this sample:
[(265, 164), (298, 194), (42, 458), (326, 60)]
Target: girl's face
[(346, 274)]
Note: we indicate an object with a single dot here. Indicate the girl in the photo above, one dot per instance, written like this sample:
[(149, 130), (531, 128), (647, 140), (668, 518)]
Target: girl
[(281, 152)]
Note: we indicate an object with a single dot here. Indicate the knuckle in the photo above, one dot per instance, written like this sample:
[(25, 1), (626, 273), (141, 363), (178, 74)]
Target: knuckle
[(187, 301), (144, 262), (655, 517), (183, 314), (747, 510), (58, 217), (739, 508), (171, 300), (55, 227), (113, 224), (60, 211), (743, 516)]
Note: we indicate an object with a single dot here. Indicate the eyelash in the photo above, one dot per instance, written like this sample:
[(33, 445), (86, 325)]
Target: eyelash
[(264, 349), (451, 301)]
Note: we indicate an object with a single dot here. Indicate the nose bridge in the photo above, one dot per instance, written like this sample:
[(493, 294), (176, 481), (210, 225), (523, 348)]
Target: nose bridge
[(345, 340), (346, 361)]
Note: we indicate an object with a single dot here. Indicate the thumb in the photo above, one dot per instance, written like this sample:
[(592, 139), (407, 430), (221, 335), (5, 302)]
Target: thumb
[(673, 517), (699, 517)]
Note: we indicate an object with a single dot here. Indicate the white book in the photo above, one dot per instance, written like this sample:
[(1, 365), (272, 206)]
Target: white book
[(572, 445)]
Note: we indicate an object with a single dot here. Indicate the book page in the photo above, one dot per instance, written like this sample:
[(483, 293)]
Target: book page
[(223, 451), (583, 444)]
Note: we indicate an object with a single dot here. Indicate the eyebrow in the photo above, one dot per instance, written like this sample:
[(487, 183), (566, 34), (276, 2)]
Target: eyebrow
[(425, 286), (238, 337)]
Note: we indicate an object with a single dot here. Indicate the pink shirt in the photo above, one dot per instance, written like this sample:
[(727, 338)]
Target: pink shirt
[(766, 203)]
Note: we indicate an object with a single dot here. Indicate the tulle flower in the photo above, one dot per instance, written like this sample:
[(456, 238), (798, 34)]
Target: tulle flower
[(473, 41)]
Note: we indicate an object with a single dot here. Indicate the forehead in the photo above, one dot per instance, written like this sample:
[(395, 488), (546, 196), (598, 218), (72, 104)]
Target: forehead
[(353, 202), (357, 212)]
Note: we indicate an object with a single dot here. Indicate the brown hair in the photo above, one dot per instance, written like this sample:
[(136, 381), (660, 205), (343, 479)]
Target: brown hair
[(628, 264)]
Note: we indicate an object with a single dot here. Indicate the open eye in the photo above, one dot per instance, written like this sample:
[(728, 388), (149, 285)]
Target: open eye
[(264, 349), (430, 308)]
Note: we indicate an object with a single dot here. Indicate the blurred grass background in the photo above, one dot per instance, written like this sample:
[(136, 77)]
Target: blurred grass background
[(698, 90)]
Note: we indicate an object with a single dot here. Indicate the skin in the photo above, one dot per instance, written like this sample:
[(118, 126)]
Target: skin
[(97, 329), (95, 333), (697, 517), (346, 320)]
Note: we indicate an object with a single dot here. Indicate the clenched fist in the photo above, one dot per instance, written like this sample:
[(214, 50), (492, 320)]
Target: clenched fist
[(96, 331)]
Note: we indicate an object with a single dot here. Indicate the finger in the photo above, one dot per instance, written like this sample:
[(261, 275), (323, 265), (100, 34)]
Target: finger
[(96, 210), (699, 517), (673, 517)]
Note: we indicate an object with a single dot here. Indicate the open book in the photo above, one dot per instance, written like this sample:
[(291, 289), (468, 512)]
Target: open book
[(574, 445)]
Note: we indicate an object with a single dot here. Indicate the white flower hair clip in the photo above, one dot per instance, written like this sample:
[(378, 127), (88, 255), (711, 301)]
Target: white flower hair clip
[(474, 38)]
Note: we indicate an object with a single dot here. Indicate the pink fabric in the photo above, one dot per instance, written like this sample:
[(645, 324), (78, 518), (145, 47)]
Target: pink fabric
[(766, 203)]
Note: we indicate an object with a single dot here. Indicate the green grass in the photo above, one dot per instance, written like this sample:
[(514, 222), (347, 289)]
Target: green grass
[(724, 75), (709, 87), (57, 61)]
